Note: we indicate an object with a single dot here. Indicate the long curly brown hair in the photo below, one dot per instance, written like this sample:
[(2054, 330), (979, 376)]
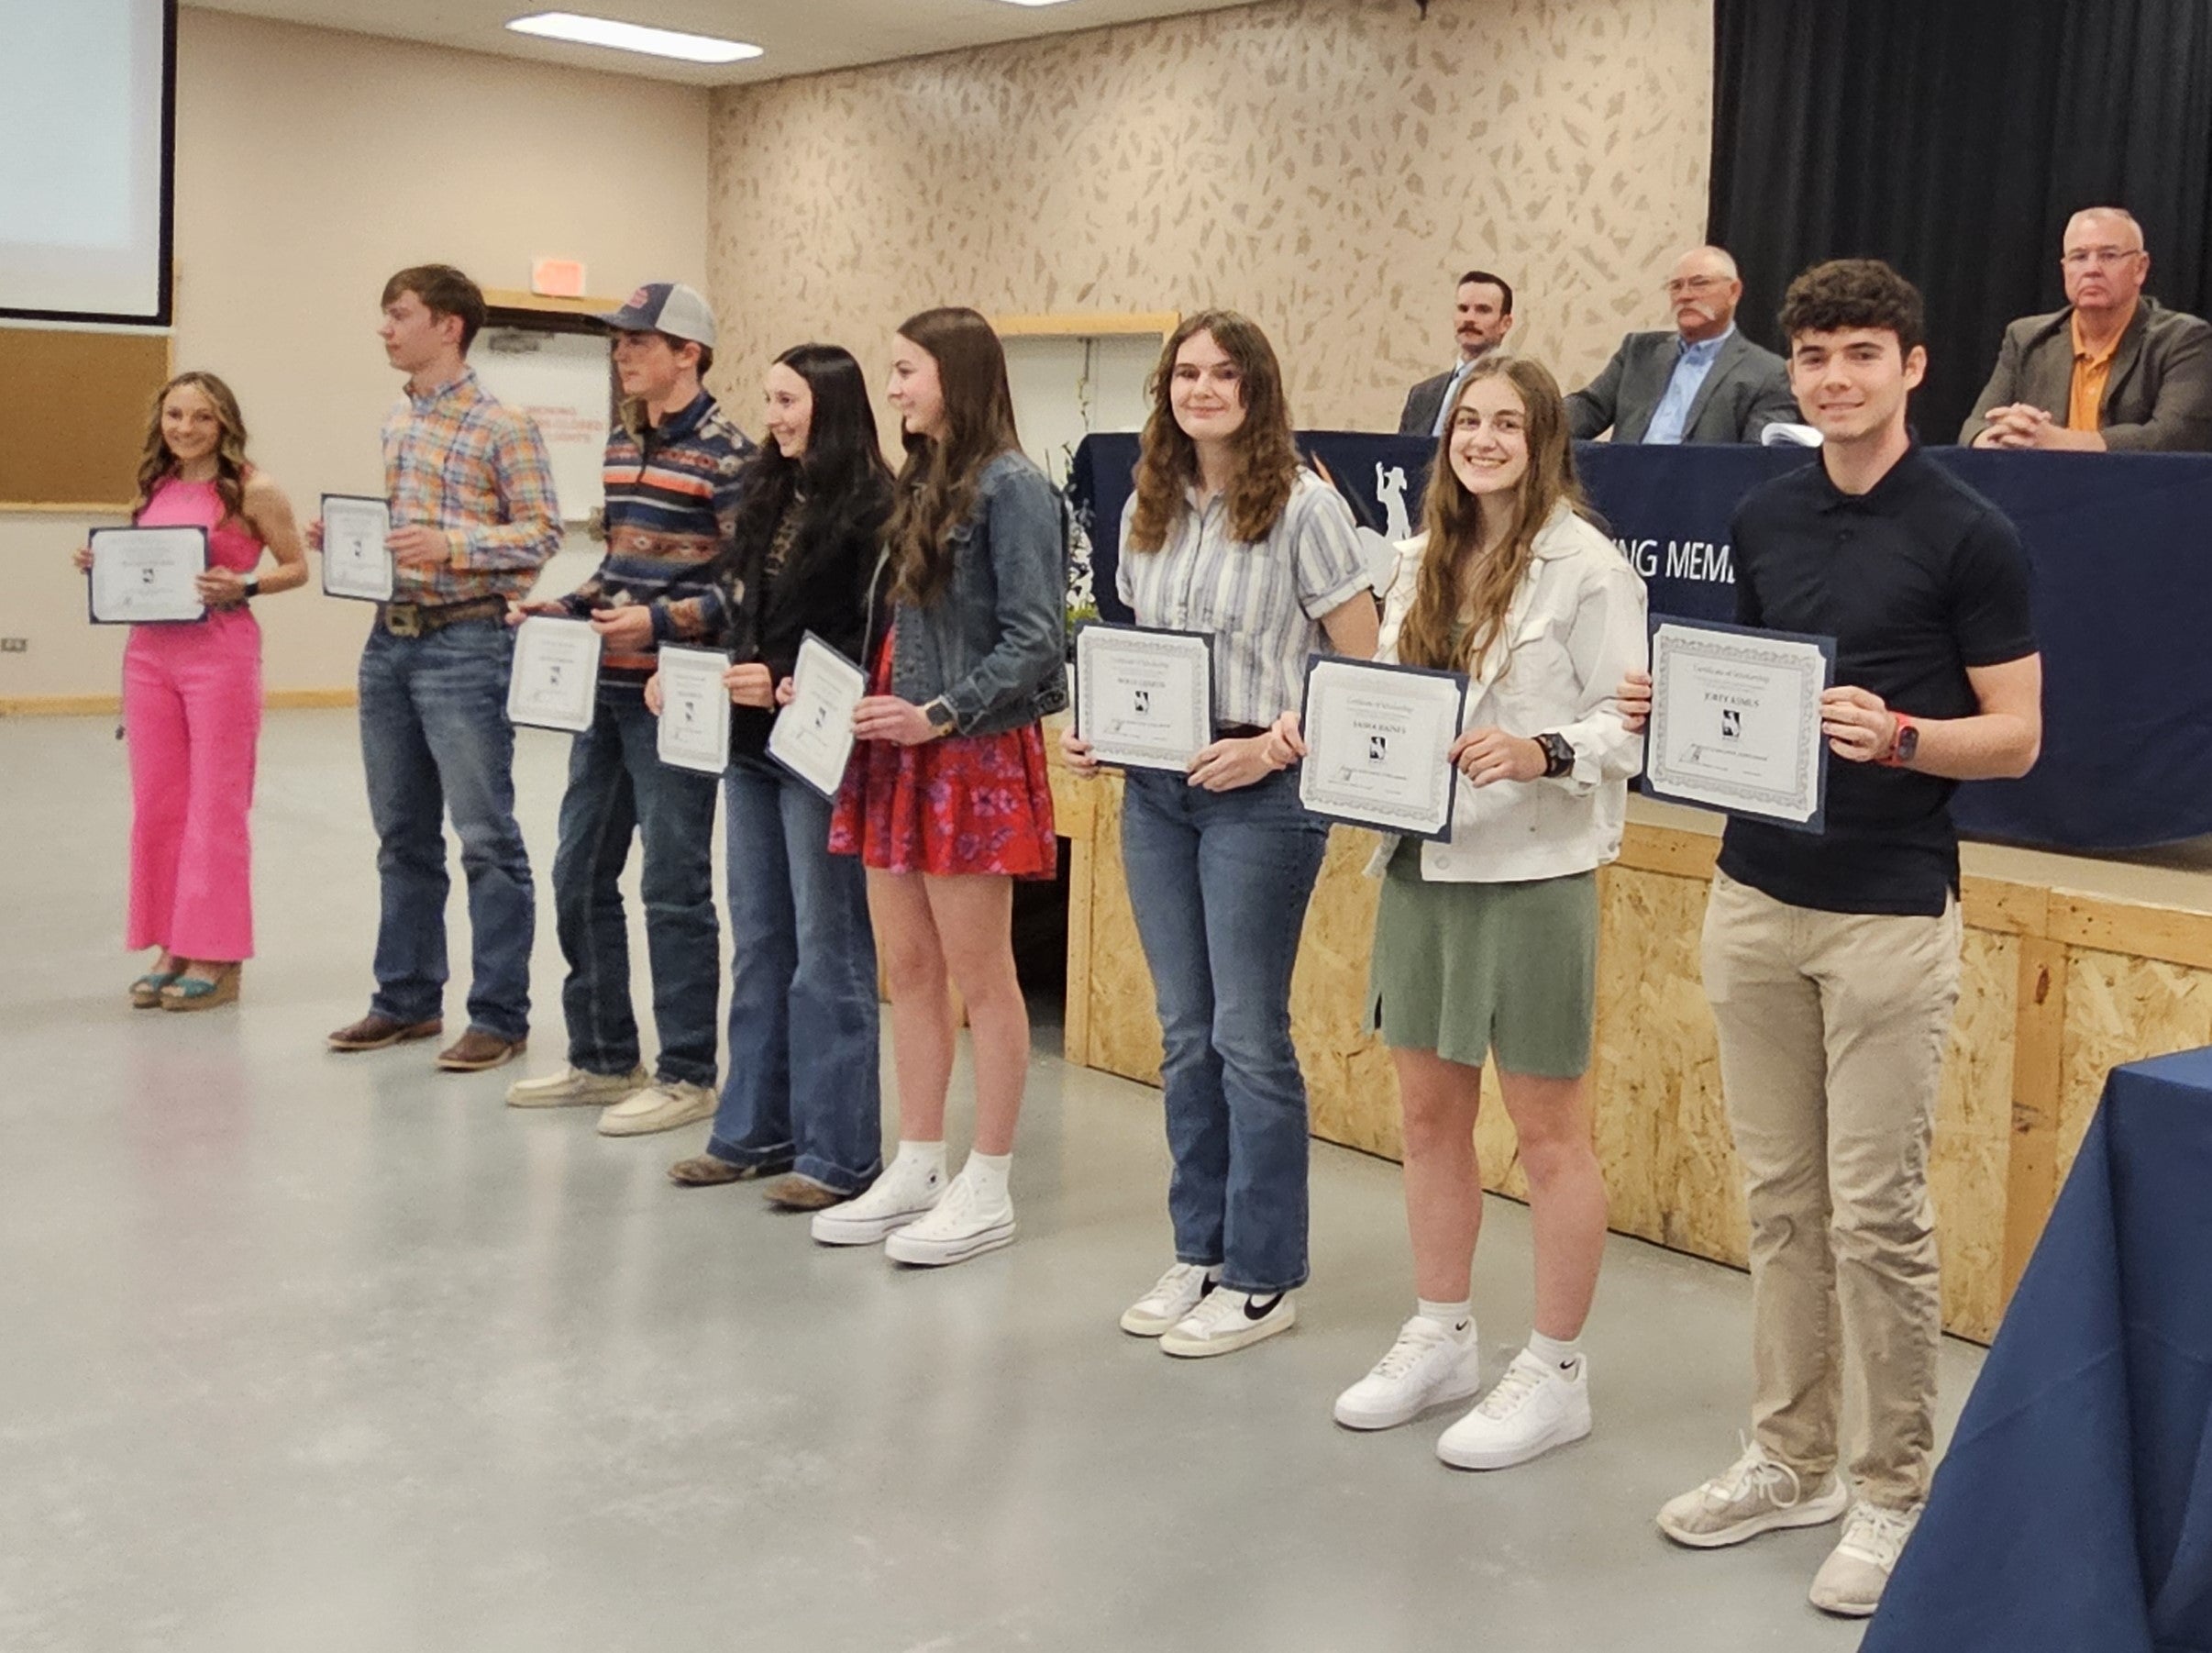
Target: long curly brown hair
[(156, 463), (937, 486), (1265, 456), (1458, 580)]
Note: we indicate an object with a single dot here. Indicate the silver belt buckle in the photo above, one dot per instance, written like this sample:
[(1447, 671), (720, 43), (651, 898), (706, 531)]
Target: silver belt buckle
[(403, 619)]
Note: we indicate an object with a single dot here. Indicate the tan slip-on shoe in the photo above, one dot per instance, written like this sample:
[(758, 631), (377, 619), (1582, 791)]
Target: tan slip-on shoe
[(575, 1087), (661, 1107)]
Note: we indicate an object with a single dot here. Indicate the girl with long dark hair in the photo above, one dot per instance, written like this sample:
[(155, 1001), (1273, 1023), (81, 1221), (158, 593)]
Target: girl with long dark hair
[(802, 1097)]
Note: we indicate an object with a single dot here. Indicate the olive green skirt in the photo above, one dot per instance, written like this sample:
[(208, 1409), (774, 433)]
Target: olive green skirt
[(1468, 969)]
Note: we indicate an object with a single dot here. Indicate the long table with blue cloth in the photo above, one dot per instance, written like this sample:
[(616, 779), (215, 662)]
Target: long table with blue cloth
[(2072, 1513), (2123, 599)]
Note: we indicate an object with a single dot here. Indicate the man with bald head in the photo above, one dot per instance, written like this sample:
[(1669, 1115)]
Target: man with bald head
[(1702, 381), (2113, 371)]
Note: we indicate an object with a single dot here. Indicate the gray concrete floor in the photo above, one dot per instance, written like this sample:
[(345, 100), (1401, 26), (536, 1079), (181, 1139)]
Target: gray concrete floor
[(303, 1351)]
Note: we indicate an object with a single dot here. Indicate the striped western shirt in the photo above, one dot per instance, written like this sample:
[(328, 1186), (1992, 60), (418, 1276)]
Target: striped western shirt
[(457, 459), (1263, 601), (671, 494)]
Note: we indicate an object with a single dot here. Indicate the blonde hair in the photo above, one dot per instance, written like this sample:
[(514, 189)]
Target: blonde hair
[(156, 463)]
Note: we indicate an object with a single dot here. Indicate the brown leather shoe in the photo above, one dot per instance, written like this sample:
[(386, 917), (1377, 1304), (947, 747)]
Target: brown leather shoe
[(375, 1031), (475, 1050), (704, 1171), (796, 1192)]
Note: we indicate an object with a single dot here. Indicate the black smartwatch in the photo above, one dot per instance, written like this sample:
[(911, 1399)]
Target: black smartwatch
[(1558, 756), (252, 588), (940, 716)]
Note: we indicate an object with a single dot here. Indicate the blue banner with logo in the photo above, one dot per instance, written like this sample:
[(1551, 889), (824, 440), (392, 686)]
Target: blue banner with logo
[(2123, 601)]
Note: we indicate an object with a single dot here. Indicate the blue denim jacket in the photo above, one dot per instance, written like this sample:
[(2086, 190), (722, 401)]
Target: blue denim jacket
[(993, 646)]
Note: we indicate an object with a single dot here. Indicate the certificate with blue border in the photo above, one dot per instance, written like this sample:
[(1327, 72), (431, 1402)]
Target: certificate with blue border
[(1144, 696), (1378, 745), (1736, 721)]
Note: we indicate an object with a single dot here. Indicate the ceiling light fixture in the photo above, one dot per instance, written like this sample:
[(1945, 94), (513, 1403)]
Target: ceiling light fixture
[(633, 37)]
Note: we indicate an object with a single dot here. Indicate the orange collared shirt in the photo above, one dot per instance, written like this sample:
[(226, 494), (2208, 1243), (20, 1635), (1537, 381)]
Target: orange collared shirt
[(2085, 406)]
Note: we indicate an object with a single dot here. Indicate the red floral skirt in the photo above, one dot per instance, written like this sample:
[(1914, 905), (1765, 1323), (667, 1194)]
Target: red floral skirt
[(962, 803)]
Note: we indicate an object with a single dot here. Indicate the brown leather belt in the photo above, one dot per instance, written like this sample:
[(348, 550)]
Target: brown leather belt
[(1238, 731), (420, 619)]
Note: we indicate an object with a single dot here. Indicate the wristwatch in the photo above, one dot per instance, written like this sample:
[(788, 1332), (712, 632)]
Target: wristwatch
[(940, 716), (1904, 744), (1558, 756), (251, 588)]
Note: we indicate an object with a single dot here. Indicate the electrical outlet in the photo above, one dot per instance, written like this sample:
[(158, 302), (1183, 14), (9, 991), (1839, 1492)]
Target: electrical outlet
[(14, 645)]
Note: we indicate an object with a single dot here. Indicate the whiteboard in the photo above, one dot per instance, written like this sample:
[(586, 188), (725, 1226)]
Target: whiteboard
[(563, 382)]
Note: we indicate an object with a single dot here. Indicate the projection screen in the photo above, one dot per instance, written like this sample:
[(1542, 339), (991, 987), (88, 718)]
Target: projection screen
[(87, 91)]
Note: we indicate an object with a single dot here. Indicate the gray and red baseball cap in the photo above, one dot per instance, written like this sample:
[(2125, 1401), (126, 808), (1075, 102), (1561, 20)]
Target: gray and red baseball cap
[(669, 308)]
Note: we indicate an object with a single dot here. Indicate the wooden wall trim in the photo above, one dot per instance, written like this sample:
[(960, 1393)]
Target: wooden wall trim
[(2136, 928), (2038, 1076)]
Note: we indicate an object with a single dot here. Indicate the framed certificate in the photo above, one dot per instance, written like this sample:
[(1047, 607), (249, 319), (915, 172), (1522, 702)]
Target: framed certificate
[(695, 709), (355, 562), (146, 576), (554, 683), (1736, 721), (1379, 744), (813, 737), (1143, 697)]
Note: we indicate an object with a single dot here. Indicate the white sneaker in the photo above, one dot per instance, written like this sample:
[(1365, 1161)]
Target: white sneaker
[(1226, 1321), (960, 1225), (659, 1108), (1172, 1297), (1756, 1494), (1430, 1365), (1534, 1408), (906, 1190), (575, 1088), (1850, 1582)]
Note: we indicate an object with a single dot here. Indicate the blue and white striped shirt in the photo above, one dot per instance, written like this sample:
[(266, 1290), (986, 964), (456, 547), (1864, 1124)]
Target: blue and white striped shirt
[(1263, 601)]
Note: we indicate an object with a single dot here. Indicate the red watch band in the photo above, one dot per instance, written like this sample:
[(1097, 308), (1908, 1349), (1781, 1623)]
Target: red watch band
[(1901, 749)]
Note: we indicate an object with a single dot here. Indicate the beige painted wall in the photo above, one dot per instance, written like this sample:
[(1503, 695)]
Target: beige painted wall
[(1329, 166), (310, 165)]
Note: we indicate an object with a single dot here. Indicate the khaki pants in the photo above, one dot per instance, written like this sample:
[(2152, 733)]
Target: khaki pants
[(1832, 1027)]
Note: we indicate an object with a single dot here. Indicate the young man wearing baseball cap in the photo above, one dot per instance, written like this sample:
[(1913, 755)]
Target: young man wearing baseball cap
[(672, 476)]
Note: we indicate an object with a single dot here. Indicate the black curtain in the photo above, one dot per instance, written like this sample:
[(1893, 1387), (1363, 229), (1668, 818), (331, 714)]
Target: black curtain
[(1954, 138)]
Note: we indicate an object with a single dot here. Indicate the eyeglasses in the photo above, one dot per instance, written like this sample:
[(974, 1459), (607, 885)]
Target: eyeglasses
[(1694, 284), (2083, 258)]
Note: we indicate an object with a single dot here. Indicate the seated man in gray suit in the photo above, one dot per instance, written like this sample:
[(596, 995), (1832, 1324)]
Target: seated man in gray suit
[(1480, 319), (2112, 370), (1702, 382)]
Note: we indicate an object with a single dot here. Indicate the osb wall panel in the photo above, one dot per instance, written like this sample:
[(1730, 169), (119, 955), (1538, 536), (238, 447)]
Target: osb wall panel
[(2122, 1009), (1329, 166), (1661, 1128)]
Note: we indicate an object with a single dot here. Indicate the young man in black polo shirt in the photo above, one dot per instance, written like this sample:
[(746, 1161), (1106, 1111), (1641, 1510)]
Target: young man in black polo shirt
[(1832, 961)]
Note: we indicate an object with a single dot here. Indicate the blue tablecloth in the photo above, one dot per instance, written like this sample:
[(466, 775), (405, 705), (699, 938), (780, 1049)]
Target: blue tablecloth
[(2123, 600), (2074, 1511)]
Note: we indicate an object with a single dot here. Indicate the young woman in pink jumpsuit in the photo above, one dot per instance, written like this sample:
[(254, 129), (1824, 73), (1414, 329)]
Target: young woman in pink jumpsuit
[(192, 700)]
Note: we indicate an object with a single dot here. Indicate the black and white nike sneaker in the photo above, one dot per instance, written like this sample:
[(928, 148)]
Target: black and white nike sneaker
[(1226, 1321)]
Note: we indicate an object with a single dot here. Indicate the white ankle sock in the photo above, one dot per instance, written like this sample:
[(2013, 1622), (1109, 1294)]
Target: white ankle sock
[(922, 1156), (1561, 1356), (1458, 1318), (986, 1174)]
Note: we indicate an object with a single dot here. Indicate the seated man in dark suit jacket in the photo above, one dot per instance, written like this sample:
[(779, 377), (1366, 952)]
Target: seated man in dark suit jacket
[(1481, 317), (2112, 371), (1702, 382)]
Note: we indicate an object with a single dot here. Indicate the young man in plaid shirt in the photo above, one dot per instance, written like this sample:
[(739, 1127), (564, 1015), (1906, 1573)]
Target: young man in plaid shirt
[(473, 520), (671, 480)]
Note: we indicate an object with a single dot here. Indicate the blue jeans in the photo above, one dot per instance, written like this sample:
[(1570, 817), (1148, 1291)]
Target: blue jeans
[(804, 1089), (435, 737), (618, 789), (1219, 881)]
